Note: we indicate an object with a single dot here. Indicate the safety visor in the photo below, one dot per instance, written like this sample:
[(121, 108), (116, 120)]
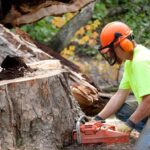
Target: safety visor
[(108, 53)]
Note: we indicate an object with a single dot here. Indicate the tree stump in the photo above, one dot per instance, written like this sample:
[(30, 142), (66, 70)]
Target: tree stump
[(36, 111)]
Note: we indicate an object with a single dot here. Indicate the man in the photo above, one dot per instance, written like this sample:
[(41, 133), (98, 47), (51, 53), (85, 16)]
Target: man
[(118, 46)]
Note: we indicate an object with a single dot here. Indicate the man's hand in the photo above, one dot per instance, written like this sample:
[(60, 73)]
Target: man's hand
[(98, 118), (124, 128)]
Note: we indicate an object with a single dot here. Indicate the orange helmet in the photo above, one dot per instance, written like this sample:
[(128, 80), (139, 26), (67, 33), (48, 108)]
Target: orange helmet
[(112, 34), (108, 32)]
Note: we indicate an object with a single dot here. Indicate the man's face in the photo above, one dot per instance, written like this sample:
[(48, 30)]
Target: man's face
[(115, 54), (120, 54)]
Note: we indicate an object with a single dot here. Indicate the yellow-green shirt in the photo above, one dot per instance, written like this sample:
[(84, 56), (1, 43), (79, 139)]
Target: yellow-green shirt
[(136, 74)]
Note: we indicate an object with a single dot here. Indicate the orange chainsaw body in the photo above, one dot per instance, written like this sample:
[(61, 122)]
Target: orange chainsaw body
[(96, 132)]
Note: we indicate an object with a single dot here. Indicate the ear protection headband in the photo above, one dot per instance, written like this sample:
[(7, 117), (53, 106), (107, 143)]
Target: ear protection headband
[(125, 42)]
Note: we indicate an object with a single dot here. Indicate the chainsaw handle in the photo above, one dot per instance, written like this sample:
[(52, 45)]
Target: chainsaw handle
[(82, 119)]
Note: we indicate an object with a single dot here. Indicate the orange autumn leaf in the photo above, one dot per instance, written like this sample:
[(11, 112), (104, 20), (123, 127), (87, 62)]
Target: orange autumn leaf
[(92, 42), (58, 21), (81, 31), (71, 47), (94, 35), (85, 38), (68, 16), (95, 24), (88, 27)]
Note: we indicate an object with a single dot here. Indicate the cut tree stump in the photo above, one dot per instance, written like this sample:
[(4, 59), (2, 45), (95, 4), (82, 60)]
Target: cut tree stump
[(36, 111)]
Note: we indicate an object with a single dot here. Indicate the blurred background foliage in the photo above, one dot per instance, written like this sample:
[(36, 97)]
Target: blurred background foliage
[(85, 42)]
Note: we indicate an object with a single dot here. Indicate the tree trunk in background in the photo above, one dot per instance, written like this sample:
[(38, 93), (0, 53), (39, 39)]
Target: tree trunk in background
[(63, 37)]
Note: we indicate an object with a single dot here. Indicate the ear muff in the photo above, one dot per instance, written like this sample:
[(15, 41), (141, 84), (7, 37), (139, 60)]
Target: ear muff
[(127, 45)]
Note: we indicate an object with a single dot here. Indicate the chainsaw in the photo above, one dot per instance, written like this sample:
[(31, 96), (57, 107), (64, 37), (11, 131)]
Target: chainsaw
[(97, 132)]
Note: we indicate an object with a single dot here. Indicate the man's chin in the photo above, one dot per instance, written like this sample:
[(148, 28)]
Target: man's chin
[(119, 61)]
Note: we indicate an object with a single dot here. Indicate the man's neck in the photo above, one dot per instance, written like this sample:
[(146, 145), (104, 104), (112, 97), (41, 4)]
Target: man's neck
[(130, 55)]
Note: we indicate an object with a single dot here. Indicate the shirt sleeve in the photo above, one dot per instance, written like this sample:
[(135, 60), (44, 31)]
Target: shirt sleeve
[(142, 75), (124, 84)]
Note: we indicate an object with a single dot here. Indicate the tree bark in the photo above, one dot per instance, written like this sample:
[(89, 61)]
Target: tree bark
[(36, 111), (11, 44), (47, 50), (62, 38)]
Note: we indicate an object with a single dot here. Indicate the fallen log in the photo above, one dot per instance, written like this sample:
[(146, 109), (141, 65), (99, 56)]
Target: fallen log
[(15, 13)]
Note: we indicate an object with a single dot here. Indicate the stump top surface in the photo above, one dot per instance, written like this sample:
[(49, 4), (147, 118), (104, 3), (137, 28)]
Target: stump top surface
[(33, 76), (45, 69)]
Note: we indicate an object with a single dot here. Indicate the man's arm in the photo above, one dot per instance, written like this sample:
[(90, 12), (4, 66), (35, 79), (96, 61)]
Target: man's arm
[(142, 111), (114, 103)]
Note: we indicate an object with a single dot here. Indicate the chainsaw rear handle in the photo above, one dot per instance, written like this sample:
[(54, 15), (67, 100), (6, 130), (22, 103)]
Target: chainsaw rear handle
[(81, 119)]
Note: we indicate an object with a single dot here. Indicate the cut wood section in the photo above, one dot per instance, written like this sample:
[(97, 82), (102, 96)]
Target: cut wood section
[(41, 69), (46, 64), (23, 12), (88, 97), (36, 111)]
